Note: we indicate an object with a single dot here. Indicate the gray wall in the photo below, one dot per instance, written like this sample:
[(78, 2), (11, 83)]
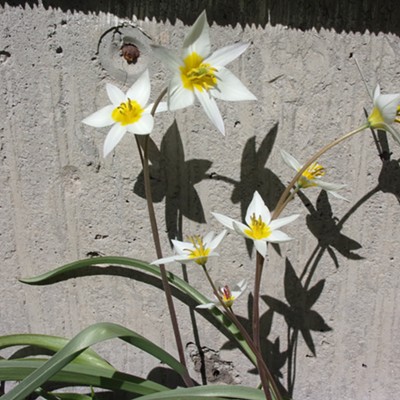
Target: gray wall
[(336, 286)]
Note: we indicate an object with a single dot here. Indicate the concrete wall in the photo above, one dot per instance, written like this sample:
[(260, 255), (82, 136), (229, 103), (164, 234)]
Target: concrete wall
[(331, 321)]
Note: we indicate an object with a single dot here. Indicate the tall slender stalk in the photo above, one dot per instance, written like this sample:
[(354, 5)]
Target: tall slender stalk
[(267, 380), (156, 238), (283, 199), (256, 300)]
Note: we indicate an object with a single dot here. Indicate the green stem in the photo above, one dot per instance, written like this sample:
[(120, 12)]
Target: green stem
[(267, 381), (282, 201), (256, 300), (156, 238)]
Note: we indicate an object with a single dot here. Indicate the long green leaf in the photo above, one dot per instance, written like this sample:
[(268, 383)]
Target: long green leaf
[(80, 375), (88, 337), (54, 344), (49, 277), (207, 392)]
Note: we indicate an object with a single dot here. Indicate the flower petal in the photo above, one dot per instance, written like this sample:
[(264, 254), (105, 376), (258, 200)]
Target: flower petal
[(211, 109), (100, 118), (224, 56), (241, 229), (140, 90), (207, 305), (198, 40), (171, 61), (230, 88), (115, 135), (142, 127), (182, 247), (161, 107), (116, 95), (290, 160), (166, 260), (329, 186), (279, 237), (178, 96), (261, 247), (277, 223), (214, 243), (226, 221), (258, 208)]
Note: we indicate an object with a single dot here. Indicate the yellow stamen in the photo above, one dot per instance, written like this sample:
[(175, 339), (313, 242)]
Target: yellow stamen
[(127, 113), (258, 228), (197, 75), (397, 119), (199, 250)]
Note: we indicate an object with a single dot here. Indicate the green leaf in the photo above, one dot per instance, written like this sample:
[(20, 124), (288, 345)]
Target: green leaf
[(80, 375), (54, 344), (207, 392), (93, 334), (65, 271)]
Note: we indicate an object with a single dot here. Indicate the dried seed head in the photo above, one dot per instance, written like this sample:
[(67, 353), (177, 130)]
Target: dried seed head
[(130, 53)]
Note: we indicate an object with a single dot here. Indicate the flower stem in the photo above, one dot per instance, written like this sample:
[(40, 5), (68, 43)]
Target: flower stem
[(267, 381), (156, 238), (256, 300), (283, 201)]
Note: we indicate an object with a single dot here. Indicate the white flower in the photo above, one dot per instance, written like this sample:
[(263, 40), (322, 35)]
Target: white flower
[(227, 295), (386, 111), (312, 176), (198, 249), (259, 226), (197, 74), (127, 113)]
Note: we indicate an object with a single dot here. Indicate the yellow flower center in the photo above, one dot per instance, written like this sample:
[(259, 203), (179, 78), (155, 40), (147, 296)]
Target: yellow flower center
[(258, 228), (127, 113), (226, 296), (397, 119), (197, 75), (313, 171), (199, 251)]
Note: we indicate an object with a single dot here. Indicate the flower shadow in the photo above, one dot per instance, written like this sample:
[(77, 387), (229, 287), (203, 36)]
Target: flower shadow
[(174, 178)]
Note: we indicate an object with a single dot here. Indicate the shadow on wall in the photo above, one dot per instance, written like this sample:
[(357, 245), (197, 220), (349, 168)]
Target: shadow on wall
[(340, 15)]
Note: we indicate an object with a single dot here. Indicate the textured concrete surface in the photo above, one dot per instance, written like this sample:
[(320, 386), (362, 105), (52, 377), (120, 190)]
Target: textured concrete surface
[(331, 298)]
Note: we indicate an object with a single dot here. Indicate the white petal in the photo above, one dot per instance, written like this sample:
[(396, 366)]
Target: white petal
[(167, 57), (230, 88), (142, 127), (208, 238), (226, 221), (207, 305), (178, 96), (395, 133), (214, 243), (198, 40), (140, 90), (277, 223), (211, 109), (387, 104), (258, 208), (241, 229), (100, 118), (239, 288), (116, 95), (182, 247), (261, 247), (377, 93), (338, 196), (161, 107), (290, 160), (224, 56), (116, 133), (166, 260), (278, 237), (329, 186)]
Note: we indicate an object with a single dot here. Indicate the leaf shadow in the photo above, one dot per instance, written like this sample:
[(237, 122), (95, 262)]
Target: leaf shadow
[(174, 178)]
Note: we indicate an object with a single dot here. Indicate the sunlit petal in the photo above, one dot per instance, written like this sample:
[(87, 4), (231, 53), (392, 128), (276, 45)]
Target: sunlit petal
[(226, 221), (224, 56), (258, 208), (116, 95), (178, 96), (279, 237), (115, 135), (230, 88), (197, 40), (140, 90), (261, 247), (211, 109), (171, 61), (143, 127), (290, 160), (100, 118), (277, 223)]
